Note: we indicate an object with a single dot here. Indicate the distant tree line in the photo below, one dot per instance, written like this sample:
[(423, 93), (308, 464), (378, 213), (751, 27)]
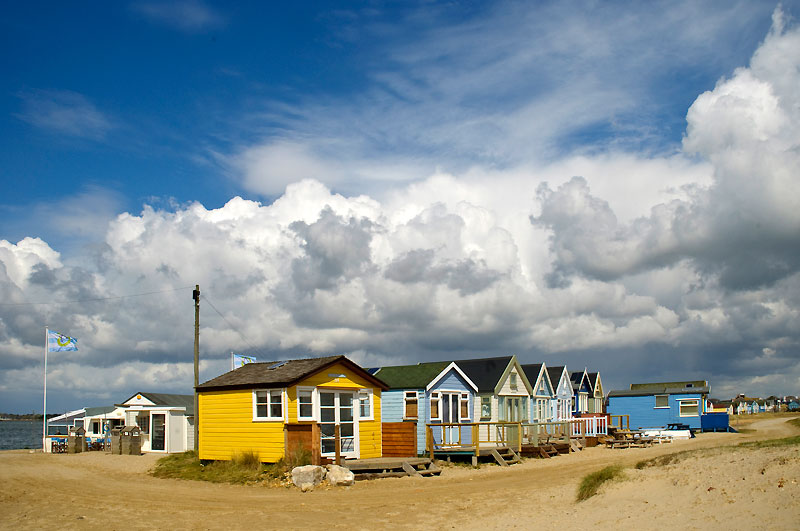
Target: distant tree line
[(25, 416)]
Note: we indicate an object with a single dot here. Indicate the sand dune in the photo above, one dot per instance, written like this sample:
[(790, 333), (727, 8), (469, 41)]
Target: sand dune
[(719, 488)]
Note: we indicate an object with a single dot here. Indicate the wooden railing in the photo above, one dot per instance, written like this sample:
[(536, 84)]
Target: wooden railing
[(620, 422), (472, 436), (537, 433)]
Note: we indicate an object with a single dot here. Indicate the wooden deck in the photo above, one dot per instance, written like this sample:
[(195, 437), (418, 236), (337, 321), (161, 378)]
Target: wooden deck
[(391, 467)]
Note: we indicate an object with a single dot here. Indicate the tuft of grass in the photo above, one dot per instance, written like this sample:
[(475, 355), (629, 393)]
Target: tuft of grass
[(591, 482), (244, 467), (772, 443), (664, 460), (246, 460)]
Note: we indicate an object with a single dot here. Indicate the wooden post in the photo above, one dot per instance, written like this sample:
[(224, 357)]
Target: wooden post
[(196, 297), (316, 451), (338, 441), (519, 436)]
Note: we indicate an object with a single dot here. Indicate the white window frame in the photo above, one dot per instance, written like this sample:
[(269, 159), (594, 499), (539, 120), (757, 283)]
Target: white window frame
[(314, 403), (488, 402), (687, 402), (269, 404), (464, 398), (656, 406), (436, 396), (512, 381), (410, 395), (369, 396)]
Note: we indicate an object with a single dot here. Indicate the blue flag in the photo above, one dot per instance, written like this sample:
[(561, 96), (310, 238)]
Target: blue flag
[(59, 342), (239, 360)]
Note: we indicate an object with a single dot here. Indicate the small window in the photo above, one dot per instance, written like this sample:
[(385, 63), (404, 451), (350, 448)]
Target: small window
[(465, 406), (365, 405), (411, 405), (268, 405), (305, 404), (143, 421), (689, 408), (486, 407), (436, 413), (513, 381), (662, 401)]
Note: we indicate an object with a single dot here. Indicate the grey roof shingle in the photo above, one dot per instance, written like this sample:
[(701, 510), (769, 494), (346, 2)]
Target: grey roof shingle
[(485, 373), (411, 376), (277, 374), (661, 391), (169, 400), (555, 375)]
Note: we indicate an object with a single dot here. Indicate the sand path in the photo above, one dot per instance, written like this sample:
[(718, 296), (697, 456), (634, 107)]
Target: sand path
[(95, 490)]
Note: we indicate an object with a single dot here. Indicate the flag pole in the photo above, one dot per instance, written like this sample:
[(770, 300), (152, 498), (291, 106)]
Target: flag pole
[(44, 406)]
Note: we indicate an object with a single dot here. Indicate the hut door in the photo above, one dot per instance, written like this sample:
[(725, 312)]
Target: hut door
[(336, 407), (159, 432), (450, 406), (513, 414)]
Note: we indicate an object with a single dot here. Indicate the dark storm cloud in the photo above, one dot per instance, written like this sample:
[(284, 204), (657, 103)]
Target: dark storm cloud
[(334, 249)]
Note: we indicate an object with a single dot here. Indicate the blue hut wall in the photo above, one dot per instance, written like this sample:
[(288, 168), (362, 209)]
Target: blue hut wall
[(393, 407), (644, 414), (452, 381)]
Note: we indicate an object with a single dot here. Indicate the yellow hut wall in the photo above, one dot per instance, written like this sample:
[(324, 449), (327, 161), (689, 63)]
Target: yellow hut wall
[(227, 426)]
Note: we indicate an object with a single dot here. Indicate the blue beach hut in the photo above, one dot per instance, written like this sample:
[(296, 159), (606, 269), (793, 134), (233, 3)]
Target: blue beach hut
[(652, 405)]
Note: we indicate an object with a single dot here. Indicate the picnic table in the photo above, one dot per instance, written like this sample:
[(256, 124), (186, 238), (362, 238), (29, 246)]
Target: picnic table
[(629, 438)]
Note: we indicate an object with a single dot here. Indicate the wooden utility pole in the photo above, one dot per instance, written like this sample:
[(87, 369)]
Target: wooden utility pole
[(196, 297)]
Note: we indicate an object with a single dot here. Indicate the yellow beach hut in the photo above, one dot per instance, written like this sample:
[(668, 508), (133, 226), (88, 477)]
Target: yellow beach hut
[(274, 408)]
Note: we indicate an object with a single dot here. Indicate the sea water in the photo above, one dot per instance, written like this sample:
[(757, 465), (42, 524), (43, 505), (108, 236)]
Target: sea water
[(15, 434)]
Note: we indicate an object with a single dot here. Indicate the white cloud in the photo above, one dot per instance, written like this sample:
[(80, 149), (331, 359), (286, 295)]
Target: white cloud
[(185, 15), (64, 112)]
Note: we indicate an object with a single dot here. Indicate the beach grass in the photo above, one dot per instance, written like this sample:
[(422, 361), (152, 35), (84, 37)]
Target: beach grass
[(591, 483), (243, 468)]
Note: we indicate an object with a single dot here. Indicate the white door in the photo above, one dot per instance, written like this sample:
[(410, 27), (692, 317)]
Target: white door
[(450, 407), (336, 408)]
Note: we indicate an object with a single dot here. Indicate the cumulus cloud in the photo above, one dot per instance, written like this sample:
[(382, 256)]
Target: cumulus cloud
[(678, 266)]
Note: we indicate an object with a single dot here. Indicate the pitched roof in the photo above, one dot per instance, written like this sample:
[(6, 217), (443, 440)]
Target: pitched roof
[(280, 373), (592, 380), (576, 378), (532, 369), (555, 375), (411, 376), (485, 373), (661, 389), (671, 385), (97, 411), (169, 400)]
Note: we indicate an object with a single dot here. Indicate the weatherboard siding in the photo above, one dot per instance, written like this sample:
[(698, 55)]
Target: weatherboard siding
[(227, 427), (394, 409), (644, 414)]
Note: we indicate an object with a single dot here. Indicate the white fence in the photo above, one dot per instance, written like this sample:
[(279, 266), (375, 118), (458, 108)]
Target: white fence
[(588, 426)]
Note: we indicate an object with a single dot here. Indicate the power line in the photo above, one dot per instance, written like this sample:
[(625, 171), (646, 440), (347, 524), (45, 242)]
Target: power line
[(246, 340), (98, 299)]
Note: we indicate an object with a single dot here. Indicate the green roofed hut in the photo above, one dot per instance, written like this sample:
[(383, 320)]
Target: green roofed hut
[(434, 392)]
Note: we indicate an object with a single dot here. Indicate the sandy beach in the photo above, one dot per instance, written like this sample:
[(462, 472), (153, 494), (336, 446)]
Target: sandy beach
[(719, 488)]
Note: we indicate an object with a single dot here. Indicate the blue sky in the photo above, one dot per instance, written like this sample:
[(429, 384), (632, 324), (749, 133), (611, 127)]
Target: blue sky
[(575, 157)]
